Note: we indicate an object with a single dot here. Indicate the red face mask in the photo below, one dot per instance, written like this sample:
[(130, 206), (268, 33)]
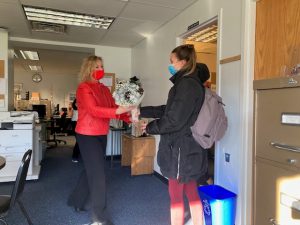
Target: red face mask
[(98, 74)]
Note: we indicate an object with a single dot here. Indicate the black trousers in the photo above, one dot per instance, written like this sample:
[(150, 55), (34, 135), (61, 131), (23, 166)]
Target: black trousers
[(91, 184), (76, 152)]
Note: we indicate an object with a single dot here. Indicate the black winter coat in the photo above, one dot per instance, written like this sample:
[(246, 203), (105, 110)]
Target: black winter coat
[(179, 155)]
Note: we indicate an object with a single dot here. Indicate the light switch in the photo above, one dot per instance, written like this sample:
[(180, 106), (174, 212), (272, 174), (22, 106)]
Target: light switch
[(227, 157)]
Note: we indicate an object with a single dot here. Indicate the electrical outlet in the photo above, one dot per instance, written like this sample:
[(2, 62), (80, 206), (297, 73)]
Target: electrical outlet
[(227, 157)]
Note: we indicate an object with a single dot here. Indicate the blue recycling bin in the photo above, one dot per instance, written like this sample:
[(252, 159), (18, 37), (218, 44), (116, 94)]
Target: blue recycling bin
[(219, 205)]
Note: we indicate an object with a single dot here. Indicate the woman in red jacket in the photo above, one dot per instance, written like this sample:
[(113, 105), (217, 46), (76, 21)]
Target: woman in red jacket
[(95, 109)]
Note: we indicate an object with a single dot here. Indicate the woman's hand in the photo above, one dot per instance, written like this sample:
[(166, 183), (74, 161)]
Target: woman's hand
[(143, 126), (124, 109), (135, 115)]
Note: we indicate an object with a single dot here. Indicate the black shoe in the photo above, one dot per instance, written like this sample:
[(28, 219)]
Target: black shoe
[(77, 209), (106, 222)]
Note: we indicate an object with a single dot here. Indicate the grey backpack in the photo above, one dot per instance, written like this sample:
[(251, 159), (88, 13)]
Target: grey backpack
[(211, 123)]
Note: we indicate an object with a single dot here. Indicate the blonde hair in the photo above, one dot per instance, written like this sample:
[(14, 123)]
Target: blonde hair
[(187, 53), (88, 66)]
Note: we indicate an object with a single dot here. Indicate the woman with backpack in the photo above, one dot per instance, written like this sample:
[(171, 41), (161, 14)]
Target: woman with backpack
[(181, 159)]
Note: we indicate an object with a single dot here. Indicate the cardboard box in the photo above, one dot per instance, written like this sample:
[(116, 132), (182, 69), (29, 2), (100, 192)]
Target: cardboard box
[(138, 152), (142, 165)]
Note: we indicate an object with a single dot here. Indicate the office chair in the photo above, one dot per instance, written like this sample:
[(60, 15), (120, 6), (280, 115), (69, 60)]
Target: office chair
[(8, 201), (56, 129)]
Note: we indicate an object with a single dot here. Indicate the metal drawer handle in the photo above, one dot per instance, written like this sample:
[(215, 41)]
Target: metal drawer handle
[(291, 161), (285, 147)]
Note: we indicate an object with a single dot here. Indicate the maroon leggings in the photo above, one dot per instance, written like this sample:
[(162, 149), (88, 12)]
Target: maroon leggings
[(177, 191)]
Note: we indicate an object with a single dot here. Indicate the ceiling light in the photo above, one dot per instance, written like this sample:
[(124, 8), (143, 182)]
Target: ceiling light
[(67, 18), (32, 55), (208, 34), (36, 68)]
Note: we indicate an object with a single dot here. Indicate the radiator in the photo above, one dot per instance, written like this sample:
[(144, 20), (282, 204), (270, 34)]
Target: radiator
[(114, 142)]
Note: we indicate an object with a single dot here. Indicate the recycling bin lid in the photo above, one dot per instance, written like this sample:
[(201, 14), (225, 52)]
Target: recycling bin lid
[(216, 192)]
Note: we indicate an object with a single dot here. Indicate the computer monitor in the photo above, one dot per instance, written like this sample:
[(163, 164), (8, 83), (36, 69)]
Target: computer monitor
[(40, 109)]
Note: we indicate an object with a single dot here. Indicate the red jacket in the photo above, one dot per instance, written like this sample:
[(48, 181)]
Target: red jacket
[(95, 109)]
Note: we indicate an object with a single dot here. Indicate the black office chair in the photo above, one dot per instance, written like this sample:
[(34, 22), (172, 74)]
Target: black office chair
[(55, 128), (8, 201)]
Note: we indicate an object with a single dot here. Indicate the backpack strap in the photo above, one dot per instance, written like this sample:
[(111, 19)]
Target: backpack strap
[(196, 109)]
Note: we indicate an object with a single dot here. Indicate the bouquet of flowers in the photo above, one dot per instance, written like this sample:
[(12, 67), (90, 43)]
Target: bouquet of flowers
[(129, 93)]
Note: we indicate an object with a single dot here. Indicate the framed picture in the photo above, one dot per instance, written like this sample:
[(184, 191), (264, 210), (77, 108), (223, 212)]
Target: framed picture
[(18, 87), (72, 96), (109, 80)]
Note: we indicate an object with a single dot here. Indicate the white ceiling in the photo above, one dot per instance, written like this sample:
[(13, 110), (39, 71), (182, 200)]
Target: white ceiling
[(134, 19), (52, 62)]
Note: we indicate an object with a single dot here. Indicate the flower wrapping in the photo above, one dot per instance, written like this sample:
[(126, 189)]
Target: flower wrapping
[(128, 93)]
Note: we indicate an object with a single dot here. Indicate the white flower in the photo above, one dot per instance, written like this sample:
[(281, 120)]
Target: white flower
[(128, 93)]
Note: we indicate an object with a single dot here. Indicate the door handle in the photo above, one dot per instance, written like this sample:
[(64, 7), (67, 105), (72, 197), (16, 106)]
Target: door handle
[(285, 147)]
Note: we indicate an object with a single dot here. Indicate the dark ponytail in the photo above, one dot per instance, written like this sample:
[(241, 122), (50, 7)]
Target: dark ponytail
[(187, 53)]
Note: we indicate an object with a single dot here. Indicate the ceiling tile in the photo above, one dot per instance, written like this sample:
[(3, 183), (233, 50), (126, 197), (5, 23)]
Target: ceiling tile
[(14, 26), (135, 19), (138, 26), (95, 7), (74, 34), (121, 39), (176, 4), (148, 12), (123, 24)]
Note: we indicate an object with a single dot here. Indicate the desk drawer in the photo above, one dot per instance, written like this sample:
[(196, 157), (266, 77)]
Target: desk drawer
[(13, 162), (14, 149), (10, 138), (277, 194), (276, 129)]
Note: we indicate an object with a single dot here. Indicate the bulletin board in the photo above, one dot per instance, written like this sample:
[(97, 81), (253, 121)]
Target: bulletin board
[(1, 68), (109, 80)]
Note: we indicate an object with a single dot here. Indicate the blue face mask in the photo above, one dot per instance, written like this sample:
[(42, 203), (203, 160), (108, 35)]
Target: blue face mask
[(172, 69)]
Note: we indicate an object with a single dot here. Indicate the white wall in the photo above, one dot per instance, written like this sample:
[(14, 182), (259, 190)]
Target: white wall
[(150, 61), (55, 87), (116, 60)]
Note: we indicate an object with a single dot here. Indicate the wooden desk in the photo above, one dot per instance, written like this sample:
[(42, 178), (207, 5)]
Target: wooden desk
[(2, 162)]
